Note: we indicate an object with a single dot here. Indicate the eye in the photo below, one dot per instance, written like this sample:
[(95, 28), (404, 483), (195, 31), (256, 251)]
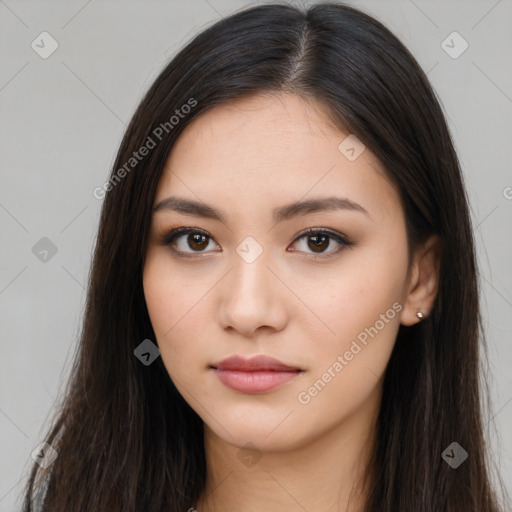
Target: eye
[(189, 241), (182, 239), (318, 240)]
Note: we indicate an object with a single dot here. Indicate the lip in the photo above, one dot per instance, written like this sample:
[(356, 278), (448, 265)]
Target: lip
[(253, 364), (255, 375)]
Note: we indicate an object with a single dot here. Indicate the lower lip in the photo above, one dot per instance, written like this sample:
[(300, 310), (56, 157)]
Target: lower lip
[(254, 382)]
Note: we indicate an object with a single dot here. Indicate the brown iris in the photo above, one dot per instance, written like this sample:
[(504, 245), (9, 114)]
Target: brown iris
[(322, 242), (197, 241)]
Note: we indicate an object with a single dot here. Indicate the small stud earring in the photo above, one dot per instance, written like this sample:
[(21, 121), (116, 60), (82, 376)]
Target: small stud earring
[(420, 315)]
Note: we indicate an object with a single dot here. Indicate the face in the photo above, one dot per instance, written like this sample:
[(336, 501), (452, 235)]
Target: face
[(248, 279)]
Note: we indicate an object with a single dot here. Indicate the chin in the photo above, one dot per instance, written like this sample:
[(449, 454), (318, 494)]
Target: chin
[(268, 436)]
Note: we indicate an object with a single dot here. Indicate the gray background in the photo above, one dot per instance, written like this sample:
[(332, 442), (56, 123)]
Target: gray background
[(63, 117)]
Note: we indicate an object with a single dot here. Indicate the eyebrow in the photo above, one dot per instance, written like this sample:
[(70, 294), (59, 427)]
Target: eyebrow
[(299, 208)]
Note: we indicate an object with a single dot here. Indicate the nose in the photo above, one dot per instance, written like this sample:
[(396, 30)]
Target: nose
[(252, 298)]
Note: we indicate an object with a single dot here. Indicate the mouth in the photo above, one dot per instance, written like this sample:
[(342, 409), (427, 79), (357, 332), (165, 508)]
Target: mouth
[(256, 375)]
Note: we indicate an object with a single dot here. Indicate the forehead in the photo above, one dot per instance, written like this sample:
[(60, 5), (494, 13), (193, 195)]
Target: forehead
[(277, 148)]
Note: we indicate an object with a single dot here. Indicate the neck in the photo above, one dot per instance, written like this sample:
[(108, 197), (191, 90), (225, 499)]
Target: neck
[(326, 473)]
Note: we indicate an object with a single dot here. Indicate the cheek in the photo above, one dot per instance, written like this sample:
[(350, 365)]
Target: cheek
[(353, 295), (173, 303), (348, 365), (172, 292), (361, 315), (160, 296)]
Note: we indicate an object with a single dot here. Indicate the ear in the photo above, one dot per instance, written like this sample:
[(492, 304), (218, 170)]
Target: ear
[(422, 285)]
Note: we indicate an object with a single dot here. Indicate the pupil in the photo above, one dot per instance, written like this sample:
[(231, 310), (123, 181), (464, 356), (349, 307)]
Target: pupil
[(195, 239), (317, 244)]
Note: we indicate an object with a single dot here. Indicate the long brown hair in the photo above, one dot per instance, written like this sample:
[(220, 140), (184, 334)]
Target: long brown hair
[(126, 439)]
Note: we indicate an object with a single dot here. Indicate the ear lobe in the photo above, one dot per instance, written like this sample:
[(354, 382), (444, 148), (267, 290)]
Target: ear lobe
[(423, 282)]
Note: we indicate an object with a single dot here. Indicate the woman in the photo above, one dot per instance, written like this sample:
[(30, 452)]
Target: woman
[(282, 311)]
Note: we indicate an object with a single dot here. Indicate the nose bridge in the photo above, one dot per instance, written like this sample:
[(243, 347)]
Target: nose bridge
[(250, 275), (250, 295)]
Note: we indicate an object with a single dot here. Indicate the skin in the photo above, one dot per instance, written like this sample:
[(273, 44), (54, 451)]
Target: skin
[(245, 159)]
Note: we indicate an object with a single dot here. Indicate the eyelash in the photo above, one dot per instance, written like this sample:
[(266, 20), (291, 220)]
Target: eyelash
[(344, 242)]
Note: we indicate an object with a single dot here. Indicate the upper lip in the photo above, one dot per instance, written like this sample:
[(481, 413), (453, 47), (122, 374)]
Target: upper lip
[(253, 364)]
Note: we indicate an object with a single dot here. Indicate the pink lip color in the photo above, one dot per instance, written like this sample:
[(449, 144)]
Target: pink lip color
[(254, 381), (257, 374)]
